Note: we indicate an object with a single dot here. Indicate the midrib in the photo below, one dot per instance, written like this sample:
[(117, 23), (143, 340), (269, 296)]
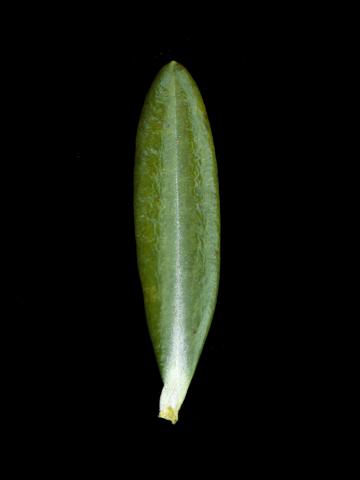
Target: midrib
[(178, 293), (178, 338)]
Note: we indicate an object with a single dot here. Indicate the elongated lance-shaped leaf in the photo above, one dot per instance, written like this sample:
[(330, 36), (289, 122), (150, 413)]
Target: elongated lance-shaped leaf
[(177, 223)]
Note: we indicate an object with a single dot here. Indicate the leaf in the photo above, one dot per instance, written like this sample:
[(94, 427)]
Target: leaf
[(177, 224)]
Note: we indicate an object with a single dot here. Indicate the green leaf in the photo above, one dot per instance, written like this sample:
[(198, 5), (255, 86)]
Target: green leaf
[(177, 224)]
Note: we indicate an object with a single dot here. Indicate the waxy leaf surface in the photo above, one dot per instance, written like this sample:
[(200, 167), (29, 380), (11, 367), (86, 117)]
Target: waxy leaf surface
[(177, 224)]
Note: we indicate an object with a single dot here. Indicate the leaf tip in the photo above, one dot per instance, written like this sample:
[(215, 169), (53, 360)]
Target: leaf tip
[(175, 66)]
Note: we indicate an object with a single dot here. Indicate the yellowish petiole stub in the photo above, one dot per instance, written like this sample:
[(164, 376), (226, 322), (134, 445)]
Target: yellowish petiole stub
[(169, 414)]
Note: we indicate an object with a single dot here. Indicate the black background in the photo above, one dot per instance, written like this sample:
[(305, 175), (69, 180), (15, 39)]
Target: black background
[(81, 368)]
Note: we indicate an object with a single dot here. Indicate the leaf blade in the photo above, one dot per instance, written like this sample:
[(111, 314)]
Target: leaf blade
[(177, 222)]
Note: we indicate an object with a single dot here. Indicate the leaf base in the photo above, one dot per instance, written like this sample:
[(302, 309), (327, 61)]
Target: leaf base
[(169, 414)]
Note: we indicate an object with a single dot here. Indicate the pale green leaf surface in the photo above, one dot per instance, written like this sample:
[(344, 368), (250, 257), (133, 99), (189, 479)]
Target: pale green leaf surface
[(177, 224)]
